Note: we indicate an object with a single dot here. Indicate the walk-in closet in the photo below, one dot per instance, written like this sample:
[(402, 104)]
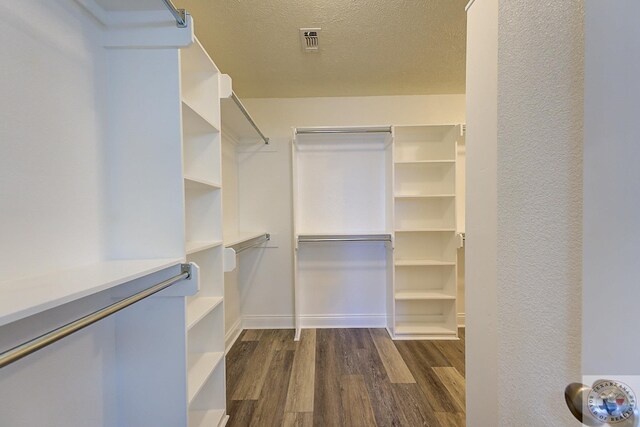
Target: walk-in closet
[(246, 213)]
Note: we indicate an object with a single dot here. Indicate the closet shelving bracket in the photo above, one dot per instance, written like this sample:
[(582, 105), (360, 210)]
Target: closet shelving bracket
[(180, 15)]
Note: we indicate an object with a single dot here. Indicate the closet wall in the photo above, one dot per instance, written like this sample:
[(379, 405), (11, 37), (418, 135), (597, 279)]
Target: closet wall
[(264, 170)]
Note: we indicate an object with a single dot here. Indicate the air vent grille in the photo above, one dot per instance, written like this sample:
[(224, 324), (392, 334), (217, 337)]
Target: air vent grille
[(310, 38)]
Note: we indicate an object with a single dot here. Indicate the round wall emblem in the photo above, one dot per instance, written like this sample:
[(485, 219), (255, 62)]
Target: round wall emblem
[(611, 401)]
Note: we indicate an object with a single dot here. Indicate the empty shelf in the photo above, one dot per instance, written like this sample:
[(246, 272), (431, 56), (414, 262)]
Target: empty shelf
[(202, 184), (408, 328), (410, 162), (418, 262), (240, 238), (423, 295), (422, 196), (198, 307), (424, 230), (200, 368), (209, 418), (194, 122), (237, 121), (193, 247), (28, 296)]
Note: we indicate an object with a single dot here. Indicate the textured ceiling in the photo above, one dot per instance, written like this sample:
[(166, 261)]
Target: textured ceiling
[(373, 47)]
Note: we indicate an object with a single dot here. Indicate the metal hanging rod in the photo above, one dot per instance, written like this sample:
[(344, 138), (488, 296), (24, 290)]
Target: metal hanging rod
[(378, 129), (57, 334), (179, 14), (248, 244), (344, 238), (248, 116)]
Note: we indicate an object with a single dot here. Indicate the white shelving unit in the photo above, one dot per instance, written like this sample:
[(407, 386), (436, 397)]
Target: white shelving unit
[(201, 145), (119, 185), (425, 258)]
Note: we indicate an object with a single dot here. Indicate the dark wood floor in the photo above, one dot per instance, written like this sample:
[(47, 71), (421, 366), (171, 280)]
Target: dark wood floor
[(344, 377)]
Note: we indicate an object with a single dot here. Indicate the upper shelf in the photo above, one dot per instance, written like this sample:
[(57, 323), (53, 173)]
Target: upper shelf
[(29, 296), (141, 23), (243, 241), (236, 120)]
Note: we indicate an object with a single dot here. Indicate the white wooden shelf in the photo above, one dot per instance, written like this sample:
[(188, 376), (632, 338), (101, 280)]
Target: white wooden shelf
[(420, 329), (236, 124), (241, 238), (193, 123), (412, 162), (193, 247), (211, 418), (28, 296), (200, 184), (198, 307), (199, 369), (421, 262), (197, 122), (423, 295), (425, 230), (422, 196)]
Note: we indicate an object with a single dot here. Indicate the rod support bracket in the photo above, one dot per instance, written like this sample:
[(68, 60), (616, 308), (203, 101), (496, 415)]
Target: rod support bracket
[(186, 268), (183, 22)]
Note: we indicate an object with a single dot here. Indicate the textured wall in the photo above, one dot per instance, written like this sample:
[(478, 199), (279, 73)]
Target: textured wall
[(539, 220)]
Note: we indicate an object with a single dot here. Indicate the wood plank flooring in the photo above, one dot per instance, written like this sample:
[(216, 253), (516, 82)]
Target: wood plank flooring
[(344, 377)]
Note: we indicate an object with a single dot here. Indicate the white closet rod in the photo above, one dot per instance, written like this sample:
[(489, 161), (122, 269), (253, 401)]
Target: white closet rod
[(57, 334), (378, 129), (248, 117), (179, 14)]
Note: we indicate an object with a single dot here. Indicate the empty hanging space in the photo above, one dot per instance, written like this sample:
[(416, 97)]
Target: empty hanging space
[(343, 227), (340, 182)]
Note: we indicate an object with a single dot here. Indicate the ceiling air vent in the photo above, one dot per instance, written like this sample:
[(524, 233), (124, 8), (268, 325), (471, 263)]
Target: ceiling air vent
[(310, 39)]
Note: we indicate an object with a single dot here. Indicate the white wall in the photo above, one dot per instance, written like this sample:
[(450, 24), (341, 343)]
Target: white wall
[(265, 276), (523, 335), (51, 79)]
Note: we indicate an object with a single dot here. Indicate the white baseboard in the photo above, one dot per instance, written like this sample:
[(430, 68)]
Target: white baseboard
[(232, 335), (461, 320), (268, 322), (345, 321), (326, 321)]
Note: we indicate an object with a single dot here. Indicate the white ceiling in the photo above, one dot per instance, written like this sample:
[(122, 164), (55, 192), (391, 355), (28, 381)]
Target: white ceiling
[(374, 47)]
